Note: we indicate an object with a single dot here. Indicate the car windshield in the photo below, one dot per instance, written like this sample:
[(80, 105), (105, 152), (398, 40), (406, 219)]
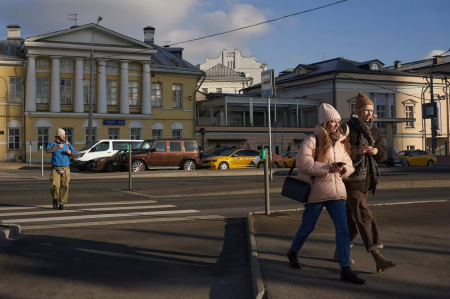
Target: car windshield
[(227, 153), (88, 145), (285, 154), (146, 145), (403, 153)]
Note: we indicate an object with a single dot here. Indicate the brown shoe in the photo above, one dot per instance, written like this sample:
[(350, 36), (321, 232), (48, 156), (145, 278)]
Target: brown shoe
[(381, 262), (336, 259)]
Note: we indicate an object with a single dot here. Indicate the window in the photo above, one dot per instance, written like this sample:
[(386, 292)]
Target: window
[(375, 67), (135, 134), (13, 139), (422, 153), (43, 137), (177, 95), (175, 146), (42, 90), (133, 93), (86, 84), (157, 95), (113, 133), (65, 89), (69, 134), (15, 90), (122, 145), (190, 146), (157, 134), (251, 153), (176, 134), (102, 146), (414, 154), (381, 111), (160, 146), (411, 147), (111, 92), (205, 90), (239, 153), (219, 90), (410, 114), (94, 134)]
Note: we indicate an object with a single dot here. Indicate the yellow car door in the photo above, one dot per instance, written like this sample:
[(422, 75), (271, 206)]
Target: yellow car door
[(250, 158), (236, 160), (414, 158)]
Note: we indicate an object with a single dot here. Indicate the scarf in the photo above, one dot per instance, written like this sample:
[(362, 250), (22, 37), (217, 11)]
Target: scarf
[(365, 138), (334, 136)]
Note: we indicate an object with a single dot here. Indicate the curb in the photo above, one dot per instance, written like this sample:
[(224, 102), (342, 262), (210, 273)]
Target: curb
[(257, 280), (8, 231)]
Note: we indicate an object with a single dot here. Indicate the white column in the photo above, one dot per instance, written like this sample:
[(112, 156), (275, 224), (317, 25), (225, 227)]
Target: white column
[(146, 89), (55, 95), (389, 105), (102, 105), (30, 104), (79, 98), (251, 112), (124, 100)]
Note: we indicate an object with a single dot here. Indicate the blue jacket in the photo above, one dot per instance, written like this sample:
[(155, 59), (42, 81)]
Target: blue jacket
[(59, 156)]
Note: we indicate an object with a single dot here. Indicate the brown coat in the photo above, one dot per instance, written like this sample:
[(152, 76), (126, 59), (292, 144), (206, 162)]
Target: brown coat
[(364, 185), (327, 186)]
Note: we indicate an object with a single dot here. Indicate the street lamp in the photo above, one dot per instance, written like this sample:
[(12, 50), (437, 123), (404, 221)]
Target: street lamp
[(91, 91)]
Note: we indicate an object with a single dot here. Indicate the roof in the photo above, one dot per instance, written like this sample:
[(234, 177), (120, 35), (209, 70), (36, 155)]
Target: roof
[(221, 71), (164, 60), (421, 63), (10, 49)]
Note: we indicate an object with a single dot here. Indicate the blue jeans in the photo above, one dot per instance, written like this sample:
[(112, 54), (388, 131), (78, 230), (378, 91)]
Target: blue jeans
[(336, 210)]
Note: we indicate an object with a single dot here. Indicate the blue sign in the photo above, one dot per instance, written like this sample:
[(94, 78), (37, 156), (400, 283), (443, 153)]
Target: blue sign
[(268, 84), (113, 122)]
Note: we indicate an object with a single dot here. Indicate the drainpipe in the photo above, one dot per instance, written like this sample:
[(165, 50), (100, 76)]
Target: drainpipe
[(334, 90), (23, 111), (195, 105)]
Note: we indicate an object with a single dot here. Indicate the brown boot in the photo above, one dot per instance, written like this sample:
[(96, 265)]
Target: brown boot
[(381, 262), (336, 259)]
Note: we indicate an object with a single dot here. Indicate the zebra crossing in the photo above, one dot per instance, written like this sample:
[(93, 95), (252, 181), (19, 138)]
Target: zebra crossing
[(96, 214)]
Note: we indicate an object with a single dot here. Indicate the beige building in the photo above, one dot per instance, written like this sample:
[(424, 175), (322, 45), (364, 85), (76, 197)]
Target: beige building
[(397, 96), (140, 89)]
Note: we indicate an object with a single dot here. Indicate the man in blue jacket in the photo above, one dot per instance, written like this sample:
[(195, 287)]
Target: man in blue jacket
[(61, 151)]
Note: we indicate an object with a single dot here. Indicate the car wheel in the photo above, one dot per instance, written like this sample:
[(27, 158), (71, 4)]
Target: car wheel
[(89, 166), (109, 167), (223, 166), (275, 165), (261, 165), (138, 165), (285, 165), (189, 165), (430, 163)]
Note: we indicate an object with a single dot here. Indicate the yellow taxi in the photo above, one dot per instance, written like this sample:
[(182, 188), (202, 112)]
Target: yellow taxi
[(233, 158), (289, 159), (413, 158)]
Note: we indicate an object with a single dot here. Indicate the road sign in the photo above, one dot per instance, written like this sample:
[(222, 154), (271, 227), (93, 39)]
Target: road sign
[(268, 84), (429, 110)]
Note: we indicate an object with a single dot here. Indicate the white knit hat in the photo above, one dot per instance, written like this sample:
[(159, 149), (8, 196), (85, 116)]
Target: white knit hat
[(60, 132), (327, 113)]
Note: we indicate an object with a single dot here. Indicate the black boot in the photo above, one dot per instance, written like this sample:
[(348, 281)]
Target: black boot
[(293, 261), (55, 204), (61, 206), (349, 276)]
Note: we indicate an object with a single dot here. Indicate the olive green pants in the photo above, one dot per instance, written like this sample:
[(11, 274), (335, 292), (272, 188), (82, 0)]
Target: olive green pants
[(60, 185)]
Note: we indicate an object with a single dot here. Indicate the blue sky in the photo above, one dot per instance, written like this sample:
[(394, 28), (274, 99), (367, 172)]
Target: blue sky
[(360, 30)]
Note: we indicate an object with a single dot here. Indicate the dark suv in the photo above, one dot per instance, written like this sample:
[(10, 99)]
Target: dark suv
[(162, 154)]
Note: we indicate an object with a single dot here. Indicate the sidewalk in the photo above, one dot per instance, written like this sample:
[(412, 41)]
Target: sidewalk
[(415, 237)]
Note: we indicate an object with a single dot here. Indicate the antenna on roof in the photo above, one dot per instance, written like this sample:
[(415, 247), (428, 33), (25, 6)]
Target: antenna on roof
[(167, 43), (323, 55), (72, 17)]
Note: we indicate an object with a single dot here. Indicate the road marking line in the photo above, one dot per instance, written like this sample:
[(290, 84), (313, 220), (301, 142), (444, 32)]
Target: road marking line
[(137, 214), (166, 219), (51, 210), (82, 205)]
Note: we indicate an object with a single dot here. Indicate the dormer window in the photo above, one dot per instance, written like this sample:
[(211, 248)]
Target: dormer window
[(375, 67)]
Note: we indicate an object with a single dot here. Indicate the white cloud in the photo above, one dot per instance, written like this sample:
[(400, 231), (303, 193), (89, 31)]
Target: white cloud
[(434, 53), (174, 20)]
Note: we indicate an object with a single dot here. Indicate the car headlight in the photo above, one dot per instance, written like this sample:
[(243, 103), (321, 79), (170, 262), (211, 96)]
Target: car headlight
[(80, 155), (103, 160)]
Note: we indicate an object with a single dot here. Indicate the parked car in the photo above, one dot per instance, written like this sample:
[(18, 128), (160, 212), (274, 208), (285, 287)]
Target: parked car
[(162, 154), (216, 152), (106, 164), (99, 149), (413, 158), (233, 158), (277, 161), (289, 159)]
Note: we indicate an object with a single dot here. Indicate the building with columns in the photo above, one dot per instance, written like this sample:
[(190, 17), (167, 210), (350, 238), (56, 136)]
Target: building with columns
[(397, 96), (141, 90)]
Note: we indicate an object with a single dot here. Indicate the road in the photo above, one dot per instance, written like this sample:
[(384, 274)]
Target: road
[(111, 244)]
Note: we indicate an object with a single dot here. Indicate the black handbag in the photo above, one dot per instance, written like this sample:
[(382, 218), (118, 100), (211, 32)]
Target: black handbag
[(296, 189)]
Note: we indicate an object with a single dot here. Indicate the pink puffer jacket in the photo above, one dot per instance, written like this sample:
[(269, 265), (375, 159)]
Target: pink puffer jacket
[(327, 186)]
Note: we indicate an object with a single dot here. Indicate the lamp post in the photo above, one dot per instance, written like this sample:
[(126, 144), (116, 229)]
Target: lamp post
[(91, 91)]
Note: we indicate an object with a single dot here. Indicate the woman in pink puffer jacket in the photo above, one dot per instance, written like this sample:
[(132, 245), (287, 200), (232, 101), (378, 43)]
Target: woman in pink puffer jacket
[(332, 165)]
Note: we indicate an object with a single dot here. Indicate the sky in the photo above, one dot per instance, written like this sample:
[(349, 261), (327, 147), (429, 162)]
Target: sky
[(360, 30)]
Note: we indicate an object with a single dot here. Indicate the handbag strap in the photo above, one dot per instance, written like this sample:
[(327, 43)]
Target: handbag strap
[(315, 159)]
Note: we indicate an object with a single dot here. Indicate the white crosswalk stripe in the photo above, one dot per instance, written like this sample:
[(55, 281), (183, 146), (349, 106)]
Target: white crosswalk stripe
[(136, 212)]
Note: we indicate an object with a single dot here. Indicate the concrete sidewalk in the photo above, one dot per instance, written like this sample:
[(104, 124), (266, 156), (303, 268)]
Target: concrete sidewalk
[(415, 237)]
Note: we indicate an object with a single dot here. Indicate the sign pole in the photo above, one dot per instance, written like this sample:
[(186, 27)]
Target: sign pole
[(269, 127), (130, 168), (266, 186), (30, 153), (42, 160)]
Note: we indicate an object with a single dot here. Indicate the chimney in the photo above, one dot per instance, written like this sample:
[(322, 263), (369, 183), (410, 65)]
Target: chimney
[(397, 64), (437, 59), (149, 35), (13, 31)]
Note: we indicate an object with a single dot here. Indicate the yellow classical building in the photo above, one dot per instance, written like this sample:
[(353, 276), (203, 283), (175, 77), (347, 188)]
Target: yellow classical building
[(141, 90)]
